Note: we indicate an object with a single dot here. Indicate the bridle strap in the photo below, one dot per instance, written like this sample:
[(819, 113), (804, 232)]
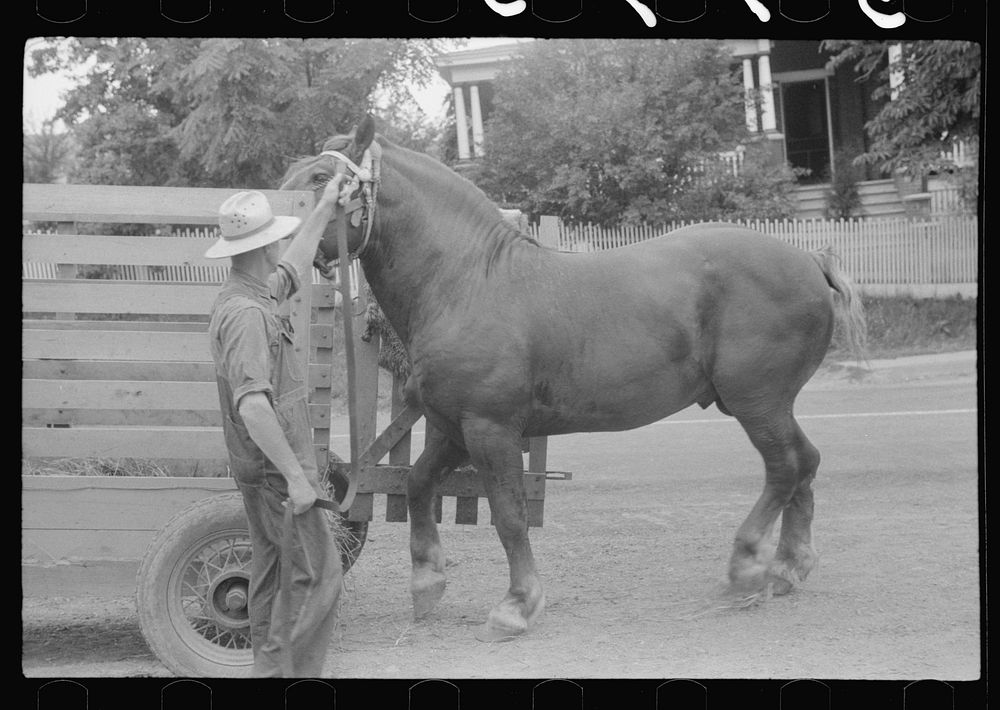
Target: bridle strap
[(367, 174), (362, 174)]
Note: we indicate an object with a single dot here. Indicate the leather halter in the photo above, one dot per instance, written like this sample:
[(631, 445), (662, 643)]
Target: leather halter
[(366, 176)]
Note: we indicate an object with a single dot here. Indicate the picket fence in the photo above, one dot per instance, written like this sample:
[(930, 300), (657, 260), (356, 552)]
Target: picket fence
[(932, 257), (185, 273)]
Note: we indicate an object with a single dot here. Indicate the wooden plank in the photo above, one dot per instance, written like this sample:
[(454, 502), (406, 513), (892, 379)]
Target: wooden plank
[(395, 508), (124, 442), (366, 376), (34, 417), (101, 296), (66, 271), (103, 249), (76, 546), (170, 467), (115, 345), (136, 325), (399, 454), (111, 502), (538, 447), (119, 394), (536, 511), (466, 510), (362, 508), (397, 429), (464, 482), (104, 296), (319, 376), (101, 370), (100, 578), (154, 205)]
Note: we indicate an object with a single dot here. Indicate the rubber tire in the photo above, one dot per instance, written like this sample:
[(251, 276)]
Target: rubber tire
[(168, 632), (166, 629)]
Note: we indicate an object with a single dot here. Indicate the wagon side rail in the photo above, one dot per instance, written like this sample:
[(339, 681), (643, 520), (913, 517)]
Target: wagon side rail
[(118, 368)]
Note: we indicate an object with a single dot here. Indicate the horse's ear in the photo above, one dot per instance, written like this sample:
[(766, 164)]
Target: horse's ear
[(364, 134)]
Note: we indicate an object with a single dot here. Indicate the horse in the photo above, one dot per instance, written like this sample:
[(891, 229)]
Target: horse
[(509, 339)]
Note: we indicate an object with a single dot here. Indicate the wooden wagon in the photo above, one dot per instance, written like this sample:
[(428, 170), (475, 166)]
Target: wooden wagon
[(118, 368)]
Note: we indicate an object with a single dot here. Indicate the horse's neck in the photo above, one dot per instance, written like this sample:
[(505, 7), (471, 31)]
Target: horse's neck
[(437, 235)]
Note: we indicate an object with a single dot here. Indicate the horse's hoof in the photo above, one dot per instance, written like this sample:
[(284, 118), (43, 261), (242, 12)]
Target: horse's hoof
[(427, 589), (492, 634), (509, 620), (782, 579)]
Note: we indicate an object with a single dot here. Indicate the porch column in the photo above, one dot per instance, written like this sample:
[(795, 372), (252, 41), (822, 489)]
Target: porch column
[(895, 69), (767, 93), (477, 121), (751, 105), (463, 127)]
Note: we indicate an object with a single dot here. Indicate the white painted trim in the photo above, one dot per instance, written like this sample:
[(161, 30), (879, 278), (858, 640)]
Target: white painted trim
[(477, 121), (829, 122), (801, 75), (766, 81), (748, 87), (461, 125)]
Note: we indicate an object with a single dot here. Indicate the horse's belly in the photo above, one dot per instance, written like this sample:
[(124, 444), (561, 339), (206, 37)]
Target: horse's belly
[(625, 400)]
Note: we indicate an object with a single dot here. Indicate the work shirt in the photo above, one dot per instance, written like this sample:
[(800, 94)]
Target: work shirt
[(253, 349)]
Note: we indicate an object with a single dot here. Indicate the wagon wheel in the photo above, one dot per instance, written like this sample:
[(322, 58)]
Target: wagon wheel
[(193, 585), (192, 589)]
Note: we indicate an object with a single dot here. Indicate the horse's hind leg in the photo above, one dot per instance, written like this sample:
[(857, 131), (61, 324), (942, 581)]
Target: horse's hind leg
[(796, 556), (428, 579), (496, 453), (790, 463)]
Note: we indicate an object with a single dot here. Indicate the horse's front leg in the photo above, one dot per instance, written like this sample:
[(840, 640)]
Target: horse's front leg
[(428, 579), (496, 453)]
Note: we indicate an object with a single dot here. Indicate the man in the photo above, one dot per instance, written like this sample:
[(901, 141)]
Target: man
[(262, 394)]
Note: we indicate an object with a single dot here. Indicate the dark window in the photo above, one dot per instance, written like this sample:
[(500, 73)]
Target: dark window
[(806, 137)]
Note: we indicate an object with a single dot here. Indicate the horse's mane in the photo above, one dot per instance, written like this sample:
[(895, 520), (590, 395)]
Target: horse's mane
[(463, 194), (460, 192)]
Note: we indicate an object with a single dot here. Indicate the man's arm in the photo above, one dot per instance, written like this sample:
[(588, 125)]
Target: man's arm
[(263, 427), (301, 252)]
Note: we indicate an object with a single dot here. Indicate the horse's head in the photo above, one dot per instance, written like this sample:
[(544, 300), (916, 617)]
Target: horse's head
[(356, 155)]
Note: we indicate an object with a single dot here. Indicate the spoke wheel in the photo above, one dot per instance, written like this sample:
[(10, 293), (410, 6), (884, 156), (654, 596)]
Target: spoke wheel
[(192, 590), (193, 586)]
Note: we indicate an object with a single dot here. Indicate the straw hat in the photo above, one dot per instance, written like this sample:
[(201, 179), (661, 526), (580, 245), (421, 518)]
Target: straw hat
[(246, 222)]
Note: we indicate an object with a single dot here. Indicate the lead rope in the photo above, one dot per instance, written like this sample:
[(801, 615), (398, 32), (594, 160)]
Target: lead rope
[(348, 318), (368, 174), (285, 592)]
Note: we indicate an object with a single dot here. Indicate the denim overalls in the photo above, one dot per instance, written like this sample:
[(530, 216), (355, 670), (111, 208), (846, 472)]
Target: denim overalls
[(253, 350)]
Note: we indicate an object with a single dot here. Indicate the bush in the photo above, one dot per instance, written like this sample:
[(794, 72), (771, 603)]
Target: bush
[(763, 189), (843, 198)]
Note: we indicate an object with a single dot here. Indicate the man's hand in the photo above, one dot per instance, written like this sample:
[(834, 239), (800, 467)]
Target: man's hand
[(301, 494), (331, 193)]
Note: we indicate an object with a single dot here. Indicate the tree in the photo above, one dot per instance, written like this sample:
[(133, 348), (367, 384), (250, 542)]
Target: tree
[(937, 103), (46, 155), (609, 130), (220, 111)]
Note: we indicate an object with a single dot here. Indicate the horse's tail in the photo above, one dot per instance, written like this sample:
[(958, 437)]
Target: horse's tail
[(850, 310)]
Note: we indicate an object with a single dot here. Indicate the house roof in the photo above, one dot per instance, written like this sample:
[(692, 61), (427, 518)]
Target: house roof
[(482, 63), (479, 64)]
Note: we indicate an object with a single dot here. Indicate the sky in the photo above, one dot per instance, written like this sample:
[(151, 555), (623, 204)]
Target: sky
[(43, 95)]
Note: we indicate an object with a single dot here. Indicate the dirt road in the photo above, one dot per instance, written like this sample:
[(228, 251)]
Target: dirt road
[(634, 547)]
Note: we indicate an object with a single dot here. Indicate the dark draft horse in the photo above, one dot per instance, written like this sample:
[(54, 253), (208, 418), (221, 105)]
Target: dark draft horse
[(509, 339)]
